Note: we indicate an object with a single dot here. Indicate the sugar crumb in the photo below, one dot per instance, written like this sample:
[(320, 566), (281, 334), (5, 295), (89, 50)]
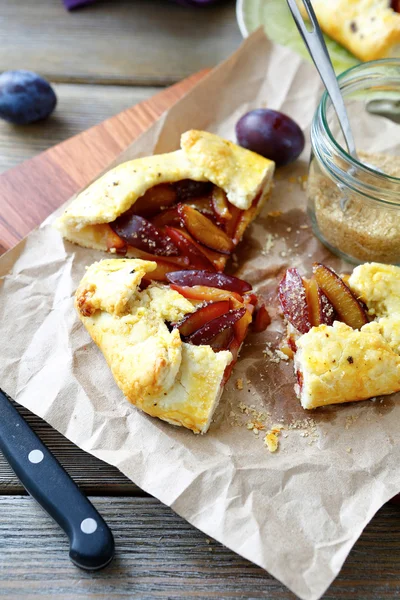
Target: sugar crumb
[(239, 383)]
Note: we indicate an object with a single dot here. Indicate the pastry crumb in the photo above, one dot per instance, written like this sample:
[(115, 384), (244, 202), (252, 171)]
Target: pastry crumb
[(281, 355), (239, 383), (269, 244), (349, 449), (350, 420)]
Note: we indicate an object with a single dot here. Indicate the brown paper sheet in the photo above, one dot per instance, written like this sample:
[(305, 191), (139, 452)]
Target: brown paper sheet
[(297, 512)]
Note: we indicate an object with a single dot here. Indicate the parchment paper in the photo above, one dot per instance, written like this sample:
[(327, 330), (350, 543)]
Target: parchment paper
[(297, 512)]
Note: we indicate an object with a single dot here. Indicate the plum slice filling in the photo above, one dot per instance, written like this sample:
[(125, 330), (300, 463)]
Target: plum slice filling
[(224, 310), (320, 300), (191, 220)]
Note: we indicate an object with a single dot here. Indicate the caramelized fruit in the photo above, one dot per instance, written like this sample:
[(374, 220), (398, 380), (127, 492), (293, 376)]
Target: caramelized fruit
[(137, 231), (293, 300), (214, 327), (169, 216), (113, 241), (261, 319), (202, 204), (210, 279), (188, 188), (321, 309), (220, 204), (204, 231), (155, 199), (208, 294), (203, 315), (231, 225), (241, 326), (189, 248), (178, 261), (348, 308), (222, 340)]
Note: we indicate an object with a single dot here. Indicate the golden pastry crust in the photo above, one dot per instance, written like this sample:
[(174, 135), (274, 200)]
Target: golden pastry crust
[(203, 157), (339, 364), (370, 29), (155, 370), (378, 286)]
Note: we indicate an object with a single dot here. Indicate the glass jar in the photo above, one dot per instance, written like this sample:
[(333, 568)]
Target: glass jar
[(354, 205)]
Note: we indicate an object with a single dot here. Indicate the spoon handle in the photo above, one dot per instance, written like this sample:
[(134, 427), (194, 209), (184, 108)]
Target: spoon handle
[(316, 46)]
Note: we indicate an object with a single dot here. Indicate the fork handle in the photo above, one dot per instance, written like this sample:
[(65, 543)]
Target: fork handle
[(315, 43)]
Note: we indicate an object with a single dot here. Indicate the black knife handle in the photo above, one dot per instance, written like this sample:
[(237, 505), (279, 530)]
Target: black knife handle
[(91, 541)]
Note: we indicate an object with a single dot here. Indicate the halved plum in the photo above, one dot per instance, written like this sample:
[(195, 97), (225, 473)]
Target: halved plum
[(348, 308), (189, 248), (293, 300), (193, 321), (155, 199), (214, 327), (137, 231), (204, 230), (210, 279)]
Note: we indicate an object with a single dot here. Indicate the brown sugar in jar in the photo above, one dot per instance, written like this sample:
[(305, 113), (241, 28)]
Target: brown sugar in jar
[(354, 205)]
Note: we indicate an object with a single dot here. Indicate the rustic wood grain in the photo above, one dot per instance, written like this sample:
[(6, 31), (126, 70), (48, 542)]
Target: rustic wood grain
[(78, 108), (158, 555), (134, 42), (91, 474), (31, 191)]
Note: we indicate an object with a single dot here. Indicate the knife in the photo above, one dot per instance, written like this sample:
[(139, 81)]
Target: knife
[(91, 540)]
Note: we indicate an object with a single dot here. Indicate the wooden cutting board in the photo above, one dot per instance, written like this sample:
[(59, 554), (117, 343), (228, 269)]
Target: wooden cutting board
[(34, 189)]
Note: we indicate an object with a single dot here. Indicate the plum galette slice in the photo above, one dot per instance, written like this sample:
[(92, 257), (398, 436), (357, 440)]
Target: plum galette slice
[(185, 210), (170, 347), (344, 332)]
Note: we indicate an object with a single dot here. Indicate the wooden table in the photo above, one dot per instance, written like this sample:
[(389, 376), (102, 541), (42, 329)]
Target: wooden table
[(101, 62)]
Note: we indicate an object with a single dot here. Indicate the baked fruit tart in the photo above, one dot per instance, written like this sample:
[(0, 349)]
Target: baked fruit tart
[(344, 332), (170, 346), (370, 29), (187, 209)]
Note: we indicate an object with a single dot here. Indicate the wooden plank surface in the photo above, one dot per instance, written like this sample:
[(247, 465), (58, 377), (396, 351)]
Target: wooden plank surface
[(159, 555), (124, 42), (129, 42), (78, 108), (91, 474), (31, 191)]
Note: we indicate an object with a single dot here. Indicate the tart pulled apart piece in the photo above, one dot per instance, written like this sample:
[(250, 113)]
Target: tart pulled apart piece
[(170, 346), (370, 29), (345, 332), (187, 209)]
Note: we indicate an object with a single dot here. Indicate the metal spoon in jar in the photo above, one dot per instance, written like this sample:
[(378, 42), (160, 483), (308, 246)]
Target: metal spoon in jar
[(316, 46)]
